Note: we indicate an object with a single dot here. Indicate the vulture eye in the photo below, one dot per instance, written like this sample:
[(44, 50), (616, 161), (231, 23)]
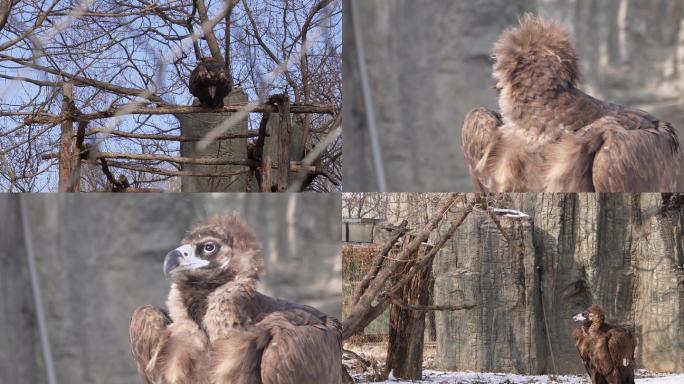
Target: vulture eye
[(209, 248)]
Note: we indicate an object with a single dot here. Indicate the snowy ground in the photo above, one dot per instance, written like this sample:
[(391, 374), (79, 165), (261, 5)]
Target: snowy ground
[(430, 376), (374, 354)]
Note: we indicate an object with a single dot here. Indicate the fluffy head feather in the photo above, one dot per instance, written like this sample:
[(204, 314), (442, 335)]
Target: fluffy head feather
[(245, 250), (536, 56), (596, 314)]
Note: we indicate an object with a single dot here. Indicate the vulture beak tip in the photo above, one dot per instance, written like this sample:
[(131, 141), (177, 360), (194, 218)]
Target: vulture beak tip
[(172, 261)]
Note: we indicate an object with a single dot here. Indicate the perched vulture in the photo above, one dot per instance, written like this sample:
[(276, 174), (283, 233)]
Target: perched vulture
[(606, 350), (220, 330), (550, 136), (210, 82)]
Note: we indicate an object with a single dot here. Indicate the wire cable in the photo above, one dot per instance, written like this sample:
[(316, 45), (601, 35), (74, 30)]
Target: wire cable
[(37, 296), (367, 100)]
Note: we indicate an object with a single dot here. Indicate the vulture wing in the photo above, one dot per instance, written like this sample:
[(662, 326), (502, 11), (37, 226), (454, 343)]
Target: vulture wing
[(304, 348), (286, 347), (636, 160), (479, 133), (600, 356), (616, 153), (621, 347), (146, 330), (579, 337), (196, 79)]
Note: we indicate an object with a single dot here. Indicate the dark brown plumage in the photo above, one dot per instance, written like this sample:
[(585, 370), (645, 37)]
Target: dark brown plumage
[(210, 82), (220, 329), (550, 136), (607, 351)]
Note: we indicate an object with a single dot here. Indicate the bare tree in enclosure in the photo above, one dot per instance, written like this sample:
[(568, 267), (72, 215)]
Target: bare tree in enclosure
[(129, 62), (399, 274)]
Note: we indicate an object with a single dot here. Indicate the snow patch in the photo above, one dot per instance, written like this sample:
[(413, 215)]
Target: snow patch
[(512, 213)]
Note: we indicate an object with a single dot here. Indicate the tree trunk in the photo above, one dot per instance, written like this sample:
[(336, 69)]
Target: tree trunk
[(407, 327)]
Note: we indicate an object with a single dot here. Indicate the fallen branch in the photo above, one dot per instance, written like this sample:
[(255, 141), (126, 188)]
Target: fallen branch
[(166, 158), (357, 357), (47, 118), (169, 172), (379, 258), (399, 303), (427, 259), (161, 136), (364, 311)]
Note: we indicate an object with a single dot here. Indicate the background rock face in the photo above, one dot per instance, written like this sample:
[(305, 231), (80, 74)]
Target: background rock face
[(199, 125), (616, 250), (100, 256), (429, 64)]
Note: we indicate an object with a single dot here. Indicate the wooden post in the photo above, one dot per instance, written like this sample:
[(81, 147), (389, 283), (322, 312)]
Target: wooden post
[(284, 143), (68, 154), (265, 173)]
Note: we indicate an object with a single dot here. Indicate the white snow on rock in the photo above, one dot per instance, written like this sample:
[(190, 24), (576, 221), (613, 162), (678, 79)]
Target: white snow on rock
[(440, 377), (510, 213)]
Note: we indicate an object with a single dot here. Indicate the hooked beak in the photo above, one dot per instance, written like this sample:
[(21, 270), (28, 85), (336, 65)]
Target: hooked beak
[(579, 317), (182, 259)]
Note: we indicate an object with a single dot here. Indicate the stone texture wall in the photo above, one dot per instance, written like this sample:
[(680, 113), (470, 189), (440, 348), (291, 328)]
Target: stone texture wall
[(429, 64), (617, 250), (198, 125), (100, 256)]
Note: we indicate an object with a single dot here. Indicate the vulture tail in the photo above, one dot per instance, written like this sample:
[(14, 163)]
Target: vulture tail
[(626, 372), (571, 162), (238, 358)]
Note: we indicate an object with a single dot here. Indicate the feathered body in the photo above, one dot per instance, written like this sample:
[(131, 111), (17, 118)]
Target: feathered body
[(551, 136), (210, 82), (607, 351), (219, 329)]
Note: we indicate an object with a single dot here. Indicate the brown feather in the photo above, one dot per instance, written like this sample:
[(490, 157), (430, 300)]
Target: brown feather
[(607, 350), (148, 324), (553, 137), (210, 82), (224, 331)]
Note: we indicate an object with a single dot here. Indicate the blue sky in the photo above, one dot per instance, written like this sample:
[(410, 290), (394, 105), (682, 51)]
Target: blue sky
[(145, 46)]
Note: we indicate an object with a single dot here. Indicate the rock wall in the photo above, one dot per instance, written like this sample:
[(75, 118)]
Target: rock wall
[(617, 250), (428, 63), (200, 124), (100, 256)]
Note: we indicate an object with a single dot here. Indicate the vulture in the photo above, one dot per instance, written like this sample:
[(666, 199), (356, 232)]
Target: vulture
[(219, 329), (210, 82), (607, 351), (550, 136)]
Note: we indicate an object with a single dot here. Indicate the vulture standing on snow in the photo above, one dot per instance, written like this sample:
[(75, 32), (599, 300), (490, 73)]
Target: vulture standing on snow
[(210, 82), (220, 330), (550, 136), (607, 351)]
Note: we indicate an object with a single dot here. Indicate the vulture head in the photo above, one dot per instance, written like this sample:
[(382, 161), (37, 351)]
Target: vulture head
[(220, 329), (534, 57), (215, 252), (210, 82), (593, 314)]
